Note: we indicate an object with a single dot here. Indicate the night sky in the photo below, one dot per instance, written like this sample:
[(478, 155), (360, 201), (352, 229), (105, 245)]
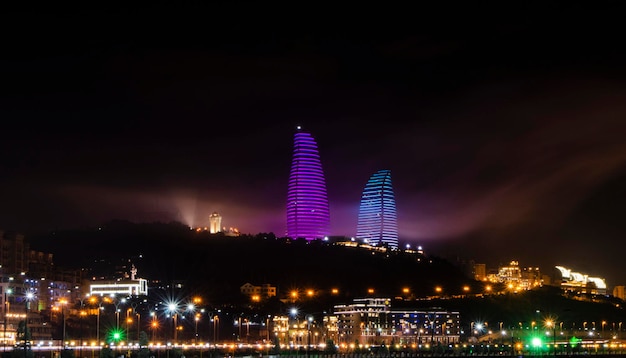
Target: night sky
[(503, 125)]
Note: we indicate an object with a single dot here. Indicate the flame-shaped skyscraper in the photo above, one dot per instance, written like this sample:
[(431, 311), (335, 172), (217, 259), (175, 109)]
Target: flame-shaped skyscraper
[(378, 222), (307, 201)]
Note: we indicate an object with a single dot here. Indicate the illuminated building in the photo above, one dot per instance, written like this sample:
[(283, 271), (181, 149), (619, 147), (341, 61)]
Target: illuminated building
[(581, 283), (480, 272), (129, 286), (515, 278), (373, 321), (307, 202), (265, 290), (377, 222), (215, 222)]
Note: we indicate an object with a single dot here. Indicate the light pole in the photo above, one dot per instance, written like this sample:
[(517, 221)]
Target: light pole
[(172, 309), (93, 300), (552, 324), (29, 297), (8, 291), (138, 324), (196, 318), (309, 321), (216, 327), (63, 303), (154, 324)]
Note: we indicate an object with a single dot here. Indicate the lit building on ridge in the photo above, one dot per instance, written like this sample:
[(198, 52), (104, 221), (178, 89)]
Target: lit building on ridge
[(215, 223), (377, 222), (517, 279), (581, 283), (307, 202)]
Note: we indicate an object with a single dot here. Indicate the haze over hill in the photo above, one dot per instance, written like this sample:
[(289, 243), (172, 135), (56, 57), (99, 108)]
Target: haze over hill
[(172, 252)]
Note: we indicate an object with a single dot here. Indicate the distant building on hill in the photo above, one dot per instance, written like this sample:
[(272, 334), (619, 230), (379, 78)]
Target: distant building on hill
[(215, 223), (308, 213), (377, 222), (257, 292), (131, 286), (581, 283)]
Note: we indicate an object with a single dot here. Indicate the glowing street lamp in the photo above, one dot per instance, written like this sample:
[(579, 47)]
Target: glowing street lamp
[(552, 324), (197, 318), (63, 303), (95, 301), (8, 291), (29, 297), (172, 309), (154, 325)]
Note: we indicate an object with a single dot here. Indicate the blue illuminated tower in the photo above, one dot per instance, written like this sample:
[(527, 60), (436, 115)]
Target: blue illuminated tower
[(378, 222), (307, 202)]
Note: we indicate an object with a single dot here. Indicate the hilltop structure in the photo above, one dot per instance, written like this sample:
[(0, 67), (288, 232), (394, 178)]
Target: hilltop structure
[(307, 201), (378, 222)]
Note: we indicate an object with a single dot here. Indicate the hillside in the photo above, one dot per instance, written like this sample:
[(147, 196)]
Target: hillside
[(172, 252)]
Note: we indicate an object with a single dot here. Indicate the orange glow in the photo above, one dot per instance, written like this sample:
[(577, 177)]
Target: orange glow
[(294, 294), (438, 289), (370, 290), (466, 288), (406, 290), (334, 291), (310, 293)]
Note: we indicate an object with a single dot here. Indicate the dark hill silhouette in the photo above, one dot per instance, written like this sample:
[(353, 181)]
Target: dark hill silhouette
[(173, 252), (216, 267)]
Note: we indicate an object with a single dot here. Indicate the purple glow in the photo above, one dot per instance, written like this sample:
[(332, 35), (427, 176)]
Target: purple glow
[(307, 202)]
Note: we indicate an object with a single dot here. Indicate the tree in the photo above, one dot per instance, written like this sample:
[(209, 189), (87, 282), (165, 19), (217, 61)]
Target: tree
[(330, 347), (106, 352), (144, 352)]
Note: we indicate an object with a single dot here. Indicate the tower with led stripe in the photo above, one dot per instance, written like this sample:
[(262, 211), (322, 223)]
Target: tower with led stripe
[(307, 202), (378, 222)]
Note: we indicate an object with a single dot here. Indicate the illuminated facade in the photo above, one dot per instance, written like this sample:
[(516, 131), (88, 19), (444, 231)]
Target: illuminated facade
[(582, 283), (132, 286), (377, 222), (373, 321), (265, 290), (215, 223), (517, 279), (307, 202)]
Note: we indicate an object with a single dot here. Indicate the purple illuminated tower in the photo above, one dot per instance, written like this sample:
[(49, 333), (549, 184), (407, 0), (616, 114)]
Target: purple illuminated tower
[(307, 203)]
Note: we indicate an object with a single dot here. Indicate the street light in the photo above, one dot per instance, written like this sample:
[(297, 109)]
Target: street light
[(8, 291), (95, 301), (29, 297), (216, 327), (63, 303), (172, 309), (552, 324), (309, 321), (196, 319), (154, 324)]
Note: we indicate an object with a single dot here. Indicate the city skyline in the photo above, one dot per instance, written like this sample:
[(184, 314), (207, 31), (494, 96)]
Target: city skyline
[(504, 133)]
